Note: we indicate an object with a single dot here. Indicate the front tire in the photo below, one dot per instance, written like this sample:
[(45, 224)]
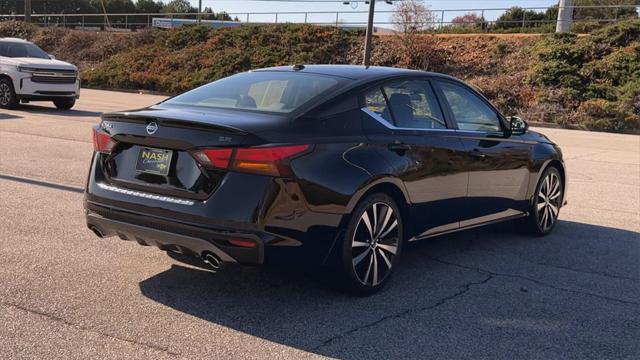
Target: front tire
[(64, 104), (372, 244), (8, 98), (546, 204)]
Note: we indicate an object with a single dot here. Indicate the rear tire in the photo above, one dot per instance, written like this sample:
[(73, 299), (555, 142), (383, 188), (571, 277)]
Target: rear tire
[(372, 244), (546, 203), (8, 98), (64, 104)]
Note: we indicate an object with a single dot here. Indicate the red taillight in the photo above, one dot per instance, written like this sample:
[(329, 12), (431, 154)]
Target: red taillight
[(102, 142), (266, 160), (269, 161), (218, 158), (243, 243)]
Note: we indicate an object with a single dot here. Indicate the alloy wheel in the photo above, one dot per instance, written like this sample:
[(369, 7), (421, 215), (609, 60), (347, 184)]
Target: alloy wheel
[(375, 244), (5, 94), (548, 201)]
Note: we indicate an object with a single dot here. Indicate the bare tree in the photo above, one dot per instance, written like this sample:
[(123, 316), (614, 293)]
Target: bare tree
[(412, 16)]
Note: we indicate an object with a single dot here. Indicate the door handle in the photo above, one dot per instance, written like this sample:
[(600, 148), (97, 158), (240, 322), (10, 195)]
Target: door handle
[(478, 154), (399, 147)]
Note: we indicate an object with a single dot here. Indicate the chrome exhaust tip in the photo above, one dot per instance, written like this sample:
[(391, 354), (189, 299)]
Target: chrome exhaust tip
[(96, 231), (214, 262)]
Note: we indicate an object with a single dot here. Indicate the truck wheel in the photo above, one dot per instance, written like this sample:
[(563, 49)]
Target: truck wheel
[(64, 104), (8, 99)]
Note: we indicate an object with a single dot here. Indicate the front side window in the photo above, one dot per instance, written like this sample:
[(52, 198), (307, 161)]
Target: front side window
[(470, 111), (268, 91), (17, 50), (413, 105)]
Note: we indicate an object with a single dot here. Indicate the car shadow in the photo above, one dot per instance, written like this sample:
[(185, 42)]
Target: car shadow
[(306, 311), (53, 111), (9, 117)]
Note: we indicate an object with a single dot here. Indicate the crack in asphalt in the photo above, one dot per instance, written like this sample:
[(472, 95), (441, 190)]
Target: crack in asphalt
[(466, 288), (535, 281), (87, 329), (568, 268), (489, 275)]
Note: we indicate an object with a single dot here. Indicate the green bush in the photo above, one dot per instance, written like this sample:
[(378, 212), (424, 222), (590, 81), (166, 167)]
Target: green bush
[(598, 74)]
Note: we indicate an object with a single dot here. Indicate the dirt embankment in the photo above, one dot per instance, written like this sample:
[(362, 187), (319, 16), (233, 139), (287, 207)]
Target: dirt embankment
[(588, 81)]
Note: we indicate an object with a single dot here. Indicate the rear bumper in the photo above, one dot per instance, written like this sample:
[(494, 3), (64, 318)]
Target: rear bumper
[(177, 237), (160, 239)]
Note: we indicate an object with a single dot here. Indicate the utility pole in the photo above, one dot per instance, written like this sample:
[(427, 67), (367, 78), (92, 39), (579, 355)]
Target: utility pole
[(27, 10), (565, 16), (369, 34), (199, 11)]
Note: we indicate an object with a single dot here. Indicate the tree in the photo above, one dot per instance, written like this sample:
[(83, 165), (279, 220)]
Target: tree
[(604, 13), (148, 6), (47, 7), (114, 6), (517, 17), (471, 20), (412, 16), (179, 6), (209, 14)]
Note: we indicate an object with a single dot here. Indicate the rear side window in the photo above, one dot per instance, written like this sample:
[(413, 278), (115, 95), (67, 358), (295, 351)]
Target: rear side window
[(375, 102), (268, 91), (469, 110), (413, 105)]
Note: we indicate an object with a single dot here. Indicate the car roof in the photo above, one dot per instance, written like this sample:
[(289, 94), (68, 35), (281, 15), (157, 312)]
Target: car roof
[(15, 40), (354, 72)]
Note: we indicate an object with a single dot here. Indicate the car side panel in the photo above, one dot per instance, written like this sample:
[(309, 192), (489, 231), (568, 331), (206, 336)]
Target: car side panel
[(499, 179)]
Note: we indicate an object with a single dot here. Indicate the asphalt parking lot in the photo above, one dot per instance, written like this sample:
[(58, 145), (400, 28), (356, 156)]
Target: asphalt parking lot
[(483, 293)]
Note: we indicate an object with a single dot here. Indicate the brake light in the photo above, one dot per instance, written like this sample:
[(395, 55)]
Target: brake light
[(273, 160), (269, 161), (218, 158), (102, 142), (243, 243)]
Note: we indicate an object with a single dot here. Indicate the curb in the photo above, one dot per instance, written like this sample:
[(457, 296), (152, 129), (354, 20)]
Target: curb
[(131, 91)]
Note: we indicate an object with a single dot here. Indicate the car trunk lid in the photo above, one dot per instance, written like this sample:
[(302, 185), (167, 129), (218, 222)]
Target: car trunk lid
[(155, 147)]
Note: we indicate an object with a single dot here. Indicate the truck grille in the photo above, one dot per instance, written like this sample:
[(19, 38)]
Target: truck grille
[(54, 76)]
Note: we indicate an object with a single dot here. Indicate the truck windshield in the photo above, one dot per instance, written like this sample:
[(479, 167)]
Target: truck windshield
[(267, 91), (15, 50)]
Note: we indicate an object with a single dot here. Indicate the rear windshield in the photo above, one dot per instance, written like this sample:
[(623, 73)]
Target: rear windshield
[(14, 50), (268, 91)]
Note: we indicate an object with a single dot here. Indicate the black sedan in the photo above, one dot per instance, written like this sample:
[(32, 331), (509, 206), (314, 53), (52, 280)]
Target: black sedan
[(320, 164)]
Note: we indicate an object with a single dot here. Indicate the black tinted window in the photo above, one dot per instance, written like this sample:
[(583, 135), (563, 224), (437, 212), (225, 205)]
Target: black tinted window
[(269, 91), (469, 110), (413, 105)]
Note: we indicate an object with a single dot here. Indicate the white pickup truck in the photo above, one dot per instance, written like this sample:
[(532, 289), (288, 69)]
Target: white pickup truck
[(27, 73)]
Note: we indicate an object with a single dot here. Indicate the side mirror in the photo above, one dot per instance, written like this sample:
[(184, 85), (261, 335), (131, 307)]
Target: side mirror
[(518, 126), (51, 57)]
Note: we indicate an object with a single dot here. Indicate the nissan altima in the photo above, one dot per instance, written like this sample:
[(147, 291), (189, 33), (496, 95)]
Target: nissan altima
[(332, 165)]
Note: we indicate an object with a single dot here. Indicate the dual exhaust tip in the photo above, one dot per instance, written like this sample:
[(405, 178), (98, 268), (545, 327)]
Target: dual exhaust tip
[(213, 261), (96, 231)]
